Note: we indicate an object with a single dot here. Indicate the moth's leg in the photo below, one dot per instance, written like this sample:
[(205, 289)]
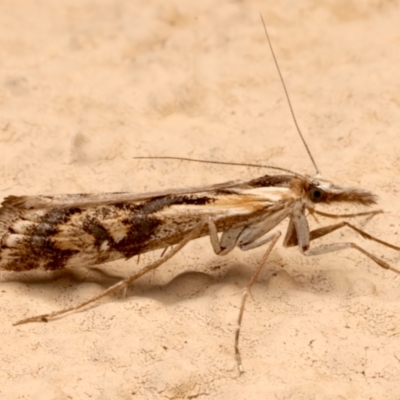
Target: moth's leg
[(368, 214), (298, 231), (228, 239), (123, 284), (232, 238), (268, 237), (258, 234), (248, 237), (291, 238), (272, 239), (360, 214), (329, 248), (319, 232)]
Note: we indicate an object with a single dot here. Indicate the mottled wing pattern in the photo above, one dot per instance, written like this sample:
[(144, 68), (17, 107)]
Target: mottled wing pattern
[(54, 232)]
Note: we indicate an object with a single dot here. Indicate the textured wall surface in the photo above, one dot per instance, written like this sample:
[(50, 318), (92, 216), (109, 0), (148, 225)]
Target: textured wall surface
[(85, 86)]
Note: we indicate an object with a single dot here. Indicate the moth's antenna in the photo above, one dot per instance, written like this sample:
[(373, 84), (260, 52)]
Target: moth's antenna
[(287, 96), (218, 162)]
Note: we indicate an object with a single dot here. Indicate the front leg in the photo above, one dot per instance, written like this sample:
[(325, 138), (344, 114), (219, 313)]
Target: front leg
[(298, 229)]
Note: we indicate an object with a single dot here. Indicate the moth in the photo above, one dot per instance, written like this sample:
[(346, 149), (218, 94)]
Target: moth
[(73, 230)]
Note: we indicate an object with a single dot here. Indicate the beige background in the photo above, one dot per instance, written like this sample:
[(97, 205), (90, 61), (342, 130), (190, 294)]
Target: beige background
[(87, 85)]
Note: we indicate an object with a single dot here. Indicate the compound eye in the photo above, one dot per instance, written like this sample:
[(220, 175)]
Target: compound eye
[(316, 195)]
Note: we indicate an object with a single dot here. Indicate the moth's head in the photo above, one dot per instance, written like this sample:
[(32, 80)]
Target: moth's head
[(319, 190)]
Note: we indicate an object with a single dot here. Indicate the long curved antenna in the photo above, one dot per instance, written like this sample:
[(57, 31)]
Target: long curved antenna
[(288, 98), (220, 163)]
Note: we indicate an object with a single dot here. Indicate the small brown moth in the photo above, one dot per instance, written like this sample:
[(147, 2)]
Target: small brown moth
[(66, 231)]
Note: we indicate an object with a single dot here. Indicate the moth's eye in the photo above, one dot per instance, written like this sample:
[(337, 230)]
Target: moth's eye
[(316, 195)]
